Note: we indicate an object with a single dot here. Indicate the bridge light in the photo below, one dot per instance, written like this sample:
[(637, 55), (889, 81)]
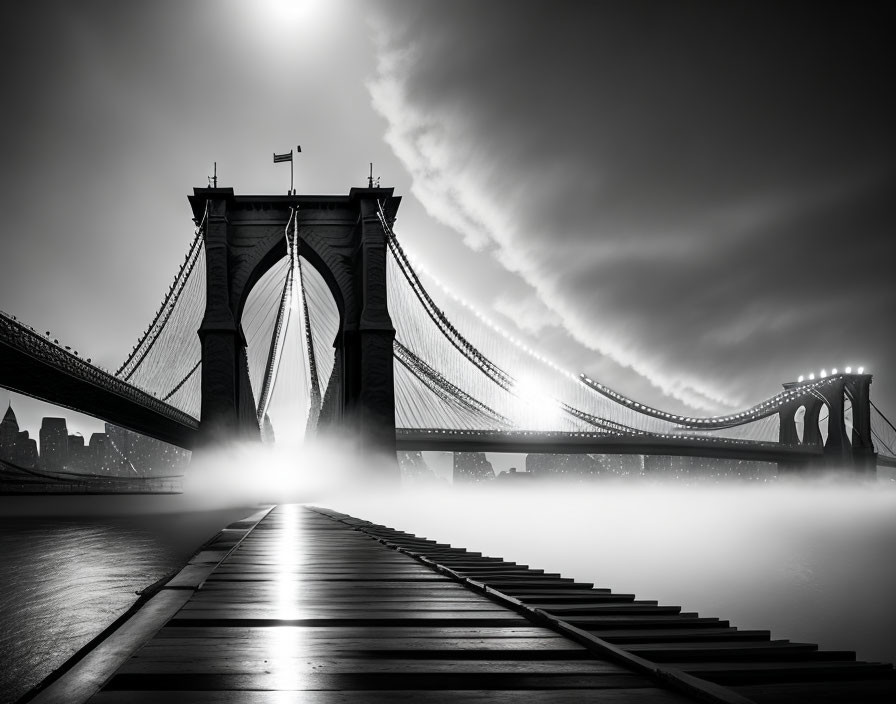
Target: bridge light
[(800, 378), (849, 370), (861, 370), (823, 374), (812, 376), (834, 371)]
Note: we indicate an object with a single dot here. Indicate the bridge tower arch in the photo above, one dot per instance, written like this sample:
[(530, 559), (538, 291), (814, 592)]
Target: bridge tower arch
[(343, 239), (841, 448)]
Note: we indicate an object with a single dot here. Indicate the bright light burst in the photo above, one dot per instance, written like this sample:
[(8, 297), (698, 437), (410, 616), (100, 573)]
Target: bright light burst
[(539, 409), (288, 11)]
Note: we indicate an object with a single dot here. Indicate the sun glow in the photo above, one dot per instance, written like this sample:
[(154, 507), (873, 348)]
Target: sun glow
[(288, 11), (286, 29), (539, 409)]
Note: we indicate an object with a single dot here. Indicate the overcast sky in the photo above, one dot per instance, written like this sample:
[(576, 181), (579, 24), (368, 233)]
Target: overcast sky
[(692, 202)]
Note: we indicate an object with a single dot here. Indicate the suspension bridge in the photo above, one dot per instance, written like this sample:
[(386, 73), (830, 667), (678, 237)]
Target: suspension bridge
[(317, 294)]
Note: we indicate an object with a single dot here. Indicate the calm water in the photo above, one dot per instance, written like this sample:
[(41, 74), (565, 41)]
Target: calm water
[(64, 579)]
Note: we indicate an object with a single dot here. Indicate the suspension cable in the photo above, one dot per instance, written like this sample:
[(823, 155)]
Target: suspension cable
[(283, 314), (138, 354), (182, 381)]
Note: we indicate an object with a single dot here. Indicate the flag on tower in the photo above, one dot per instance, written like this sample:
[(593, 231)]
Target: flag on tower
[(283, 157)]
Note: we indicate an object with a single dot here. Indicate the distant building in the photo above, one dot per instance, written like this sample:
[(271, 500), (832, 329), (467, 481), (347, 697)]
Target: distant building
[(9, 433), (26, 451), (703, 468), (472, 467), (79, 459), (144, 455), (414, 468), (53, 444), (512, 475), (566, 465), (15, 445), (583, 466)]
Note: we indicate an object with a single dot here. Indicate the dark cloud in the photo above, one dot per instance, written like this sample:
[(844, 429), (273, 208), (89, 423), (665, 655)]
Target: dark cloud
[(703, 191)]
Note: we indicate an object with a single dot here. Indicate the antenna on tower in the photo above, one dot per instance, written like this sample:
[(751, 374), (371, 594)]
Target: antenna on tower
[(371, 181), (213, 180)]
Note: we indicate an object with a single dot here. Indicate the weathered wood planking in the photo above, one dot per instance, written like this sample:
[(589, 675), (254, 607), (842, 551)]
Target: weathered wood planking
[(310, 609), (704, 653)]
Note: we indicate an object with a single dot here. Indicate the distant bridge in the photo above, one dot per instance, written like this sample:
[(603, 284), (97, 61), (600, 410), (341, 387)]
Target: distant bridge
[(560, 442)]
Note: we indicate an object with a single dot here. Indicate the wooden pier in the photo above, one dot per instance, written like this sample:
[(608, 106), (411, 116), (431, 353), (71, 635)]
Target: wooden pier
[(303, 604)]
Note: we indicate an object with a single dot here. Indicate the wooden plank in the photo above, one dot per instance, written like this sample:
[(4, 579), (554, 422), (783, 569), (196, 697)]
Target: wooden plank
[(373, 613), (190, 647), (646, 695), (783, 671), (208, 557), (608, 608), (665, 635), (342, 633), (643, 620), (301, 665), (373, 681), (202, 619), (590, 597), (190, 577), (87, 675)]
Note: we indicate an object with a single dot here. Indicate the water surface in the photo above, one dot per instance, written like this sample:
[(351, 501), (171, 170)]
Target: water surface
[(64, 579)]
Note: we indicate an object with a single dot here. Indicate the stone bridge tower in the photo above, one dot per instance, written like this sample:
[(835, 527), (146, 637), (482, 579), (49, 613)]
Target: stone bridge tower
[(341, 237), (842, 448)]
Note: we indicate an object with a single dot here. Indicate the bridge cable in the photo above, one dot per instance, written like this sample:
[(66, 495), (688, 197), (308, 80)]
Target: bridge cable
[(277, 338), (881, 413), (437, 315), (138, 354), (443, 388), (314, 392), (182, 381)]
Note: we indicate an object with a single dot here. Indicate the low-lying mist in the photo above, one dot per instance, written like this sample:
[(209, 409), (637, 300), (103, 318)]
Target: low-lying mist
[(811, 560)]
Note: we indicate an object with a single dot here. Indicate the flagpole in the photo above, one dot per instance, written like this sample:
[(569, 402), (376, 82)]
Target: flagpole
[(292, 189)]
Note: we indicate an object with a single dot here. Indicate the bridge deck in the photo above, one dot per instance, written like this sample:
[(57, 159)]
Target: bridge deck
[(312, 605)]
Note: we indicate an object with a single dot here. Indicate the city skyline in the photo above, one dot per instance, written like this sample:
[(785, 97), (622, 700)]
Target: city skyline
[(53, 448)]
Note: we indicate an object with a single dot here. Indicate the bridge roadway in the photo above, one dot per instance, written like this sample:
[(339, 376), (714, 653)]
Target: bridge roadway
[(32, 365), (435, 439), (302, 604)]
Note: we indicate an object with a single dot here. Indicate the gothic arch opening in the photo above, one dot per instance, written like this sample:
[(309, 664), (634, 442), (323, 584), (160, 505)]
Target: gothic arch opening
[(289, 399), (823, 417), (848, 418), (799, 419)]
